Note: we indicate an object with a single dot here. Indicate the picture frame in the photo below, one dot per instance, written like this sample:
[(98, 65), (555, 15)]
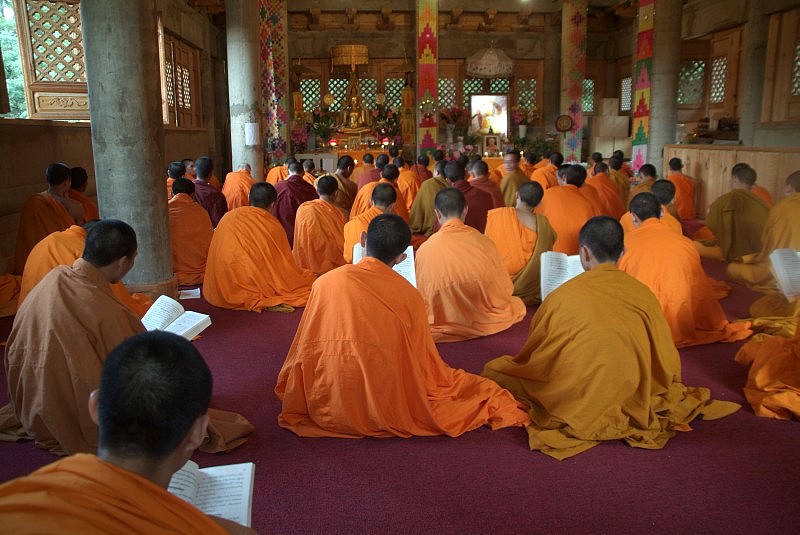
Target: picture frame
[(491, 145), (489, 114)]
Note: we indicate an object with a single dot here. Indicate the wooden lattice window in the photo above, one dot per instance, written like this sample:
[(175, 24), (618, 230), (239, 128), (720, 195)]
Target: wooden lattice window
[(337, 87), (719, 73), (51, 50), (691, 81), (394, 92), (311, 89), (180, 82), (499, 86), (369, 88), (471, 86), (587, 100), (526, 93), (447, 92), (796, 71), (625, 93)]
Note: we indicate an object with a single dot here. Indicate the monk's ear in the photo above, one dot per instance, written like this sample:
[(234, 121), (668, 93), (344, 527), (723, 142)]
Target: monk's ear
[(399, 259), (196, 435), (464, 212), (363, 239), (437, 213), (93, 406)]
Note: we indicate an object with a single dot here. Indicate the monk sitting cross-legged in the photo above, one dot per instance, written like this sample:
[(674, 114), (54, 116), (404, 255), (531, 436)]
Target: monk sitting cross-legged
[(389, 175), (384, 197), (521, 237), (319, 230), (546, 175), (422, 217), (151, 410), (669, 265), (236, 187), (607, 191), (79, 180), (479, 201), (599, 362), (190, 232), (376, 370), (664, 191), (566, 209), (462, 278), (250, 265)]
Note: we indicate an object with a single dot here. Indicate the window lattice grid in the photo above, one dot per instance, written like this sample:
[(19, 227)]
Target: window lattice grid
[(337, 87), (471, 86), (186, 88), (394, 92), (690, 82), (625, 93), (170, 83), (369, 88), (499, 85), (587, 100), (310, 88), (56, 41), (719, 74), (180, 90), (447, 92), (796, 72), (526, 93)]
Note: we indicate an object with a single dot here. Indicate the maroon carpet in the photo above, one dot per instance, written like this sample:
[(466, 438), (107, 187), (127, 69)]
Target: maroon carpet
[(736, 475)]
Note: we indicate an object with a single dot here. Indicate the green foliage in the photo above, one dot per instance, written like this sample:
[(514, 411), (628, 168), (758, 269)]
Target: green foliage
[(13, 68)]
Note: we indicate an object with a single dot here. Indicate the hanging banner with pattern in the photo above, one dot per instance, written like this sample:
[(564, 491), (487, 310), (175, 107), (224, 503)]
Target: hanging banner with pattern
[(427, 74), (273, 34), (643, 73), (573, 71)]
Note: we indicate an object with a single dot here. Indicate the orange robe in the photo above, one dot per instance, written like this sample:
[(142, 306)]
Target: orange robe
[(627, 222), (250, 265), (170, 181), (591, 194), (214, 182), (277, 173), (510, 184), (642, 187), (408, 185), (190, 231), (546, 176), (237, 188), (90, 210), (465, 285), (684, 195), (357, 170), (773, 383), (318, 236), (62, 249), (363, 363), (310, 178), (609, 196), (670, 266), (544, 162), (762, 194), (623, 185), (496, 175), (567, 211), (363, 200), (9, 294), (599, 364), (41, 215), (353, 229), (521, 248), (83, 494)]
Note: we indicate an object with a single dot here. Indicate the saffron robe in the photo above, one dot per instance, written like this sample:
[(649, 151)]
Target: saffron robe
[(211, 199), (363, 363), (9, 294), (408, 184), (318, 236), (627, 221), (496, 175), (484, 184), (277, 173), (310, 178), (510, 184), (684, 194), (762, 194), (421, 172), (521, 248), (62, 249), (250, 265), (357, 171), (236, 188), (599, 364), (364, 200), (170, 181), (83, 494), (465, 285), (567, 211), (422, 218), (40, 216), (190, 235), (773, 382), (669, 264), (90, 210), (737, 220), (546, 176), (292, 192), (590, 194), (608, 194), (353, 229), (623, 185), (642, 187), (782, 229), (347, 193)]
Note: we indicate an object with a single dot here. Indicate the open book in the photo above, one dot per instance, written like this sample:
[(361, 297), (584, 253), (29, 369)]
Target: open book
[(404, 268), (225, 491), (166, 314), (558, 268), (786, 265)]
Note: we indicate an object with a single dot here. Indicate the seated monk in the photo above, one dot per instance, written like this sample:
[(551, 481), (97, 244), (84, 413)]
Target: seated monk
[(544, 162), (595, 159), (646, 176), (773, 382), (599, 362), (528, 162), (513, 177), (62, 333), (250, 265), (479, 202), (607, 191), (422, 217), (367, 163), (620, 178), (479, 179), (383, 198), (46, 212), (308, 172), (9, 291), (319, 230), (420, 169), (735, 221), (376, 370), (668, 264), (781, 230), (291, 193), (755, 189), (347, 188), (151, 410), (566, 209), (407, 181), (389, 175), (206, 195), (176, 170), (546, 175), (587, 190), (373, 173), (462, 278), (521, 237), (190, 233), (279, 172), (79, 180), (664, 191), (684, 190), (63, 249), (236, 187)]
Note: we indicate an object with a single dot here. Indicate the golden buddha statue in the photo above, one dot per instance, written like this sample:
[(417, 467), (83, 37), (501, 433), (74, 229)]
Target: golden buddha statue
[(355, 117)]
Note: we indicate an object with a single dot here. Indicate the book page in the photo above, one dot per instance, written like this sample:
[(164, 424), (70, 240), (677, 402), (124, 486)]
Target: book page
[(558, 268), (163, 312), (405, 268), (189, 324), (184, 482), (194, 293), (786, 265), (227, 491)]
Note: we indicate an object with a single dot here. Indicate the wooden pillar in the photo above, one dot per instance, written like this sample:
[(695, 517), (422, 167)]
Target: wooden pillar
[(574, 18)]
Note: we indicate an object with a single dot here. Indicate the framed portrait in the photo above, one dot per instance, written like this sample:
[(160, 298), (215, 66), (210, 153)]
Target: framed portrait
[(489, 113), (491, 145)]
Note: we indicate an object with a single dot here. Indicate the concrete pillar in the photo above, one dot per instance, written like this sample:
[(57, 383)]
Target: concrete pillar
[(122, 67), (241, 19), (755, 54), (551, 90), (666, 65)]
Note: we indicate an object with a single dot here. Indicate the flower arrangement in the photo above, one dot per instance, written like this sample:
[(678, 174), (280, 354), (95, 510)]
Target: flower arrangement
[(524, 116), (299, 137), (455, 115), (386, 123), (323, 124)]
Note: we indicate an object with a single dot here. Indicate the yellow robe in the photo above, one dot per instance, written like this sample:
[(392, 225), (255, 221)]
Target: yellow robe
[(422, 217), (737, 220)]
